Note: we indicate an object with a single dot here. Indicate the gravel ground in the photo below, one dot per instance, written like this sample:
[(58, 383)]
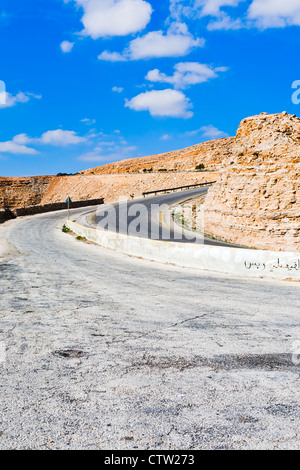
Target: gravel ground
[(105, 351)]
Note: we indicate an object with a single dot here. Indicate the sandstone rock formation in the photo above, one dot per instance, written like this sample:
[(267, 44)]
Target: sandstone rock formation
[(256, 201), (122, 178), (20, 192), (210, 154), (111, 187)]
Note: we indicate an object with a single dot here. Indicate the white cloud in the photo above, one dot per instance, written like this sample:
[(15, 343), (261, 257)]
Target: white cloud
[(225, 22), (162, 103), (117, 89), (186, 74), (112, 57), (8, 100), (18, 145), (66, 46), (108, 18), (200, 8), (60, 137), (262, 14), (2, 93), (176, 42), (275, 13), (166, 137), (209, 132), (213, 7), (22, 139), (103, 151), (88, 122)]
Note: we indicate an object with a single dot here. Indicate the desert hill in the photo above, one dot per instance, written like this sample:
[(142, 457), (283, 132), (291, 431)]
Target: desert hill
[(210, 154), (255, 202), (123, 178)]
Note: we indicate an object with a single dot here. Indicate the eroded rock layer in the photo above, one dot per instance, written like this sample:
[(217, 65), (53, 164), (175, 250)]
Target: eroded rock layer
[(256, 201)]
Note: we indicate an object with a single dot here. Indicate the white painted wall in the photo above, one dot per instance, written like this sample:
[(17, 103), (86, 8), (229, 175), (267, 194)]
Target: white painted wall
[(244, 262)]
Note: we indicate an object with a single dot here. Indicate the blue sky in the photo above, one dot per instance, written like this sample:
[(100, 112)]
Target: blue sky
[(93, 81)]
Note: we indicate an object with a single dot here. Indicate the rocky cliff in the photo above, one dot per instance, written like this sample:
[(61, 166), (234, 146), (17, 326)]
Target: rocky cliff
[(256, 201), (20, 192)]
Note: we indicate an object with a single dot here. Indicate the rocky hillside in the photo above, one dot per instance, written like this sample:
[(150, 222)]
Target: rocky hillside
[(133, 177), (111, 187), (256, 201), (210, 154), (20, 192)]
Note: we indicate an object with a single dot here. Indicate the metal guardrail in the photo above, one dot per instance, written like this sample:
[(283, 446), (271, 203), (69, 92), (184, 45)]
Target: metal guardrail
[(208, 183)]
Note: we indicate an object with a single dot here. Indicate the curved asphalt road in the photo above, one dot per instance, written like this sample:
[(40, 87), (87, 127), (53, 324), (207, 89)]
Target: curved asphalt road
[(151, 225), (104, 351)]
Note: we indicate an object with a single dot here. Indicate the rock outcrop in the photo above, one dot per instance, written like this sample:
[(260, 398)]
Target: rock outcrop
[(210, 154), (20, 192), (256, 201), (123, 178), (111, 187)]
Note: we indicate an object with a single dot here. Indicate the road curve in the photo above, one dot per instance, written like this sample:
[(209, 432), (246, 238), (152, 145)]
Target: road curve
[(151, 225), (104, 351)]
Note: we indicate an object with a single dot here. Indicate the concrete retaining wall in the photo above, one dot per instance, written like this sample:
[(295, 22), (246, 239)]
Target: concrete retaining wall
[(40, 209), (254, 263), (5, 214), (56, 206)]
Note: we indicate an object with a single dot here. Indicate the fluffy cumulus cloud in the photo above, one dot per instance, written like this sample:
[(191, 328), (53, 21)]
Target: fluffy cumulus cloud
[(175, 43), (275, 13), (22, 144), (60, 138), (108, 18), (186, 74), (112, 57), (162, 103), (66, 46), (17, 146), (7, 100)]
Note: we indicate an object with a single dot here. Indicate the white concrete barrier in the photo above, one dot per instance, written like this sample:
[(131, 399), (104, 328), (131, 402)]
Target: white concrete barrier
[(244, 262)]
